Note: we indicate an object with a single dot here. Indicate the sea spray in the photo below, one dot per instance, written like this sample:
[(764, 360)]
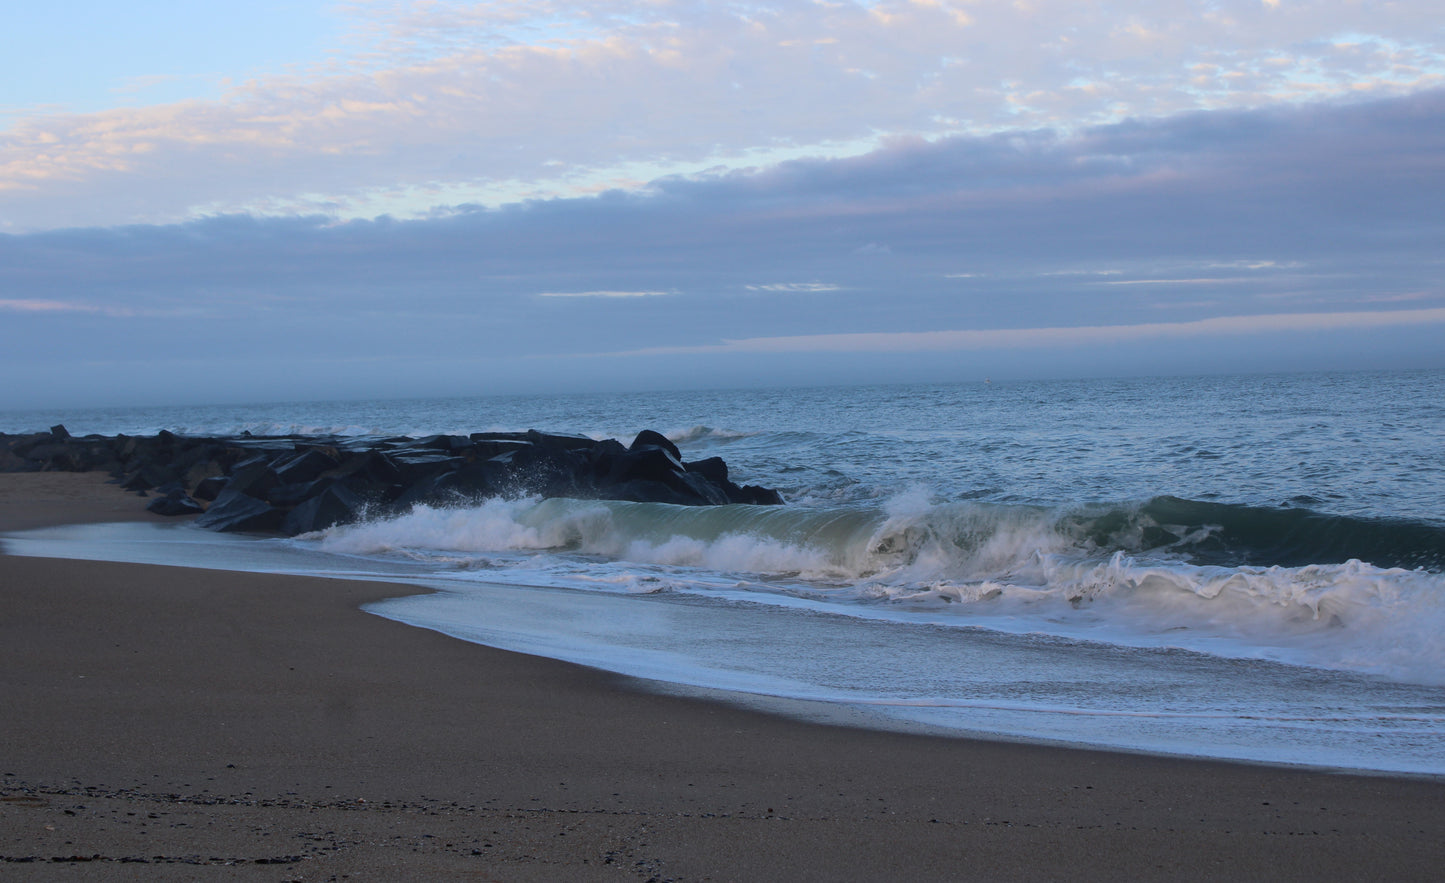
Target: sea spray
[(1102, 572)]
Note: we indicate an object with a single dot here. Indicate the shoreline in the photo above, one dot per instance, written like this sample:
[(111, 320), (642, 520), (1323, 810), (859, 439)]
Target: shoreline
[(244, 718)]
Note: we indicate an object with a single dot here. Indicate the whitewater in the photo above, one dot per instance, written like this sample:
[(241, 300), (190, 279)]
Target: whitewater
[(1240, 567)]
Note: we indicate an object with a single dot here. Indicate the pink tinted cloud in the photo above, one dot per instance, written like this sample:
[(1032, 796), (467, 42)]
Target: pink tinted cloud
[(1033, 338), (32, 305), (456, 97)]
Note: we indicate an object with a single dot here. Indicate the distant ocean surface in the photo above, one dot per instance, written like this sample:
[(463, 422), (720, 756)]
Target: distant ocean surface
[(1246, 567)]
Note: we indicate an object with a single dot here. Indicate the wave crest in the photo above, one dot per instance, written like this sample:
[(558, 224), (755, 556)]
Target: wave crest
[(1139, 573)]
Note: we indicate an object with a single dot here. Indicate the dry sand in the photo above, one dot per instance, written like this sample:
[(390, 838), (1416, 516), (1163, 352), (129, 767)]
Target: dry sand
[(168, 723)]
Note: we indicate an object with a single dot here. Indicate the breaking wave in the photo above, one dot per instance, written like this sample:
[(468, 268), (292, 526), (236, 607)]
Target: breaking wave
[(704, 434), (1291, 584)]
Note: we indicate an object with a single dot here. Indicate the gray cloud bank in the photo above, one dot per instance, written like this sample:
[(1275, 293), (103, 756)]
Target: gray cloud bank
[(443, 102), (1206, 217)]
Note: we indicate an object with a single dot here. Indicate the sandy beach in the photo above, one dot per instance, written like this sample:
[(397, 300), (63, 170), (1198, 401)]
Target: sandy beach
[(169, 723)]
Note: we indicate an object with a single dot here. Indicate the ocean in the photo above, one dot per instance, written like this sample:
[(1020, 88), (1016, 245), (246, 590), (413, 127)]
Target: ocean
[(1241, 567)]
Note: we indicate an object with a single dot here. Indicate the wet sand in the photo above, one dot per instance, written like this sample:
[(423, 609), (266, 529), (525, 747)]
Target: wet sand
[(169, 723)]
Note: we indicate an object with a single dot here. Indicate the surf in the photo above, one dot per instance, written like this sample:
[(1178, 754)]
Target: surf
[(1221, 579)]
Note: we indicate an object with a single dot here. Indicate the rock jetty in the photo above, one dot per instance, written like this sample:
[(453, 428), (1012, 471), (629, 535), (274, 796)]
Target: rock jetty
[(298, 484)]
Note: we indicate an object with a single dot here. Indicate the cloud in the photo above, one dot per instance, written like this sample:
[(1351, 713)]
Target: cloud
[(795, 287), (1332, 209), (1223, 280), (1035, 338), (442, 103), (1350, 190), (56, 306), (605, 293)]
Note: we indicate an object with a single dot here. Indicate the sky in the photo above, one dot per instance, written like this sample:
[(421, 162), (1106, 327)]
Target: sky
[(326, 200)]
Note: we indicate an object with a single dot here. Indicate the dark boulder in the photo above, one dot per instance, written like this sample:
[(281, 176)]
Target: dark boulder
[(753, 495), (210, 488), (547, 472), (335, 505), (297, 493), (704, 492), (601, 457), (559, 442), (370, 474), (254, 477), (648, 463), (714, 469), (175, 502), (149, 475), (415, 464), (485, 449), (448, 443), (306, 466), (429, 490), (235, 510), (644, 491), (473, 481), (647, 438), (54, 457), (203, 471), (21, 446)]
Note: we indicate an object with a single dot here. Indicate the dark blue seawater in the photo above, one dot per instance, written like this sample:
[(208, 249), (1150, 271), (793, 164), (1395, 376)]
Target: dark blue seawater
[(1368, 444), (1237, 566)]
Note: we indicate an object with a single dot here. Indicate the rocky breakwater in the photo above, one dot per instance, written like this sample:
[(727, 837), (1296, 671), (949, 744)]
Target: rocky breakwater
[(297, 484)]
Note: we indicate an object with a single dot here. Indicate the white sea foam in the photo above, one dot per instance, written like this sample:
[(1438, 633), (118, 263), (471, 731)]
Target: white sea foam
[(704, 433), (1008, 568)]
